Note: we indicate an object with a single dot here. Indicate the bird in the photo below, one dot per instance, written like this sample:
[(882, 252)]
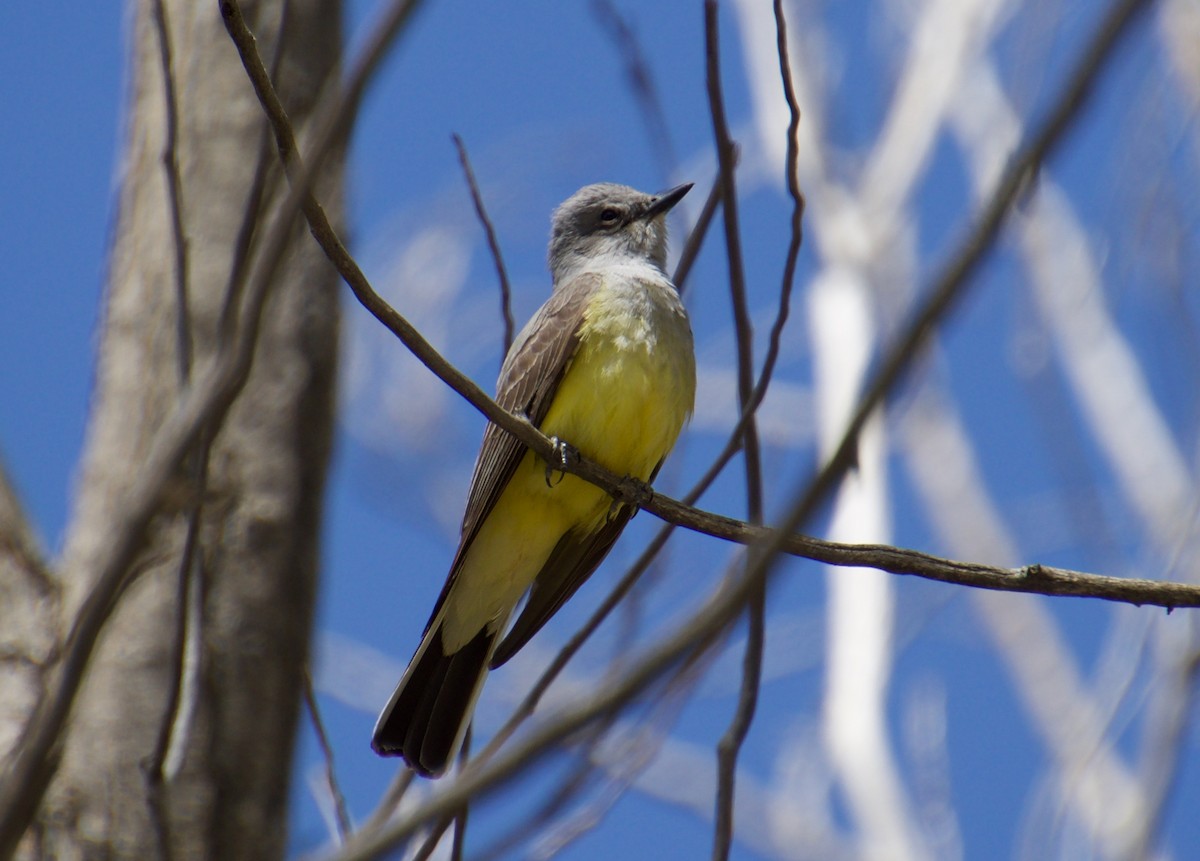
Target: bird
[(606, 367)]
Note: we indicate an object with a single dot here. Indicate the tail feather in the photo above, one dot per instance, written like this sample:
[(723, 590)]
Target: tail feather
[(427, 716)]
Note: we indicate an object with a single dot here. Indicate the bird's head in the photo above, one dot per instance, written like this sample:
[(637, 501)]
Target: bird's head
[(609, 223)]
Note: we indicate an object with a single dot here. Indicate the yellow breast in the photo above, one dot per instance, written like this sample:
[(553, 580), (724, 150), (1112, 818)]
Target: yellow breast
[(632, 382), (622, 402)]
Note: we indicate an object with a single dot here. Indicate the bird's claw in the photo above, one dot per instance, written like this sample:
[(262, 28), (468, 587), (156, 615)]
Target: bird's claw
[(565, 454), (632, 488)]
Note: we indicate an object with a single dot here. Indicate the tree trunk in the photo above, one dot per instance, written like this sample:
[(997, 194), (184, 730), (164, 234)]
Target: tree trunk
[(152, 766)]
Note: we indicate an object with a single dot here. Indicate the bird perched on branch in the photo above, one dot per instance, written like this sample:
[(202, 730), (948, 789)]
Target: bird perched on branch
[(606, 366)]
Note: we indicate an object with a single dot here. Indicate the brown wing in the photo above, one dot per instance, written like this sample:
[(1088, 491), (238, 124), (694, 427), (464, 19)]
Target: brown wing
[(528, 383), (571, 562), (529, 379)]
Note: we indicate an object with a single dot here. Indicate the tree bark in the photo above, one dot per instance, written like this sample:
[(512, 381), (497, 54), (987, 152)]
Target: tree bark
[(180, 742)]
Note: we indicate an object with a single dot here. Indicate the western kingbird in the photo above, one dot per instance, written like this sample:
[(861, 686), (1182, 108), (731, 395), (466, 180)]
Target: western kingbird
[(605, 365)]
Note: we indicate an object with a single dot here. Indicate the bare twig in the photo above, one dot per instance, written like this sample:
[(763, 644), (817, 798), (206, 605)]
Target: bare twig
[(427, 848), (341, 814), (752, 662), (493, 244), (797, 220), (695, 240), (346, 266), (743, 329), (575, 643), (730, 744), (247, 233), (175, 719), (774, 340), (170, 161), (458, 844)]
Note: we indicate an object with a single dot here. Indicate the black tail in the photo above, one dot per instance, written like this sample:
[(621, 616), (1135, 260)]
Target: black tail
[(427, 716)]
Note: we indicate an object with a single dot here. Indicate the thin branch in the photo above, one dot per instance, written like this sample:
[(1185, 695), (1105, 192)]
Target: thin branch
[(341, 814), (730, 744), (172, 718), (695, 240), (493, 244), (458, 844), (775, 338), (252, 212), (797, 220), (743, 329), (175, 719), (529, 704), (426, 849), (170, 161), (625, 760), (1039, 579), (729, 747)]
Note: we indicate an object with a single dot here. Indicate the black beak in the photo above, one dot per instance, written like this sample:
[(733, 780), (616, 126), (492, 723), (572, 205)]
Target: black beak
[(664, 200)]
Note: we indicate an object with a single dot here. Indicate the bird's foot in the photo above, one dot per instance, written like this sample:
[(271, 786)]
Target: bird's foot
[(634, 492), (565, 454)]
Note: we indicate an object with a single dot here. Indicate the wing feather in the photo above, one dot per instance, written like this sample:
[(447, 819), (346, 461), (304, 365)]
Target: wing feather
[(529, 380)]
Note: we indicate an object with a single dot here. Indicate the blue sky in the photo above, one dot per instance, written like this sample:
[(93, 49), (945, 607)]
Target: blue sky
[(538, 92)]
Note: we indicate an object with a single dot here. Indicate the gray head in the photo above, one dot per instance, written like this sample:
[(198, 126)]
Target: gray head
[(609, 222)]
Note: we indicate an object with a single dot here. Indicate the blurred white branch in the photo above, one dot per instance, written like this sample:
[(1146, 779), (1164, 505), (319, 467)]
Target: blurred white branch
[(1179, 27), (1091, 775), (1099, 363)]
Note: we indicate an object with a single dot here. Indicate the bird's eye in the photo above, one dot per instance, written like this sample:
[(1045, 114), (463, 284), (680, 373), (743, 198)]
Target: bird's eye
[(610, 216)]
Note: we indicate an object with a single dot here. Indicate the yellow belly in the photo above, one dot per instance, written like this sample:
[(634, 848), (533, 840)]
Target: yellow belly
[(622, 403)]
